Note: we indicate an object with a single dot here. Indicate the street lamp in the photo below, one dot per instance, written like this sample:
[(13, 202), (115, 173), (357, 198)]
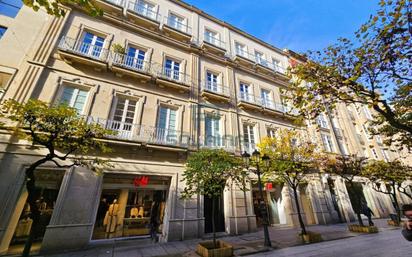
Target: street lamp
[(256, 158)]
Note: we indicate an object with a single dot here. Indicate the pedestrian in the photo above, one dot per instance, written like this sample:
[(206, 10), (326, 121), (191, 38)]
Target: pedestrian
[(368, 213), (407, 229), (154, 220)]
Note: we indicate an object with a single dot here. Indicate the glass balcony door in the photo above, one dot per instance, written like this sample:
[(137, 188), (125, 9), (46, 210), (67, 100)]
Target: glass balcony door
[(135, 58), (166, 125), (123, 117), (91, 45), (172, 69)]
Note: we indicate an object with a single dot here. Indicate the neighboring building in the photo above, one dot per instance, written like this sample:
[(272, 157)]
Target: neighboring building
[(185, 81)]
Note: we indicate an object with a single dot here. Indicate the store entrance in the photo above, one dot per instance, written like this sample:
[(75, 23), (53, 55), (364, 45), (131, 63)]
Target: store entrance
[(219, 214), (272, 195), (47, 188), (129, 208)]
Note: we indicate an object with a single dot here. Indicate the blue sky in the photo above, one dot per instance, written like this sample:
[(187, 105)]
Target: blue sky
[(299, 25)]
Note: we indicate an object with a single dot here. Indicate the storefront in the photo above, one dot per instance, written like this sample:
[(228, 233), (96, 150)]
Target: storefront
[(48, 183), (130, 205)]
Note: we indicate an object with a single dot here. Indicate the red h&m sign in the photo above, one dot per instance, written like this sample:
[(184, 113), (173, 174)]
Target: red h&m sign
[(269, 186), (141, 181)]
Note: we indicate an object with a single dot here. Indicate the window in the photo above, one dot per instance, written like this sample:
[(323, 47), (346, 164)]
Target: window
[(176, 22), (249, 141), (123, 117), (211, 37), (91, 45), (212, 130), (260, 58), (166, 124), (172, 69), (277, 65), (146, 9), (241, 49), (385, 155), (74, 97), (344, 148), (327, 143), (379, 139), (365, 130), (212, 82), (323, 123), (10, 8), (2, 31), (265, 96), (271, 132), (244, 92), (365, 153), (135, 58), (4, 81), (367, 112), (375, 155)]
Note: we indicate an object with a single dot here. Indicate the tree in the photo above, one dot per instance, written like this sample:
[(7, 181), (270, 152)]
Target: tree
[(373, 70), (66, 136), (292, 160), (348, 167), (55, 7), (393, 175), (208, 172)]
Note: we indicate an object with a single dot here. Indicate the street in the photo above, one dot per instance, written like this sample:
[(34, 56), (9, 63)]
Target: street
[(386, 243)]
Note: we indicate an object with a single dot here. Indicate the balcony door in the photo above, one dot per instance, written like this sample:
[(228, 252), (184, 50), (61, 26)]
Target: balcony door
[(245, 92), (92, 45), (266, 98), (135, 58), (212, 82), (166, 125), (123, 118), (172, 69), (249, 141), (212, 131), (74, 97)]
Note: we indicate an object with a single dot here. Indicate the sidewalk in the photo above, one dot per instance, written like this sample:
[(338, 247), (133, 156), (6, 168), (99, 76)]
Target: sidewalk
[(246, 244)]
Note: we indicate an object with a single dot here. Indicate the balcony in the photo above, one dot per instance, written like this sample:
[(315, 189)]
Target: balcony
[(248, 101), (244, 58), (217, 142), (213, 44), (143, 16), (129, 65), (167, 77), (143, 133), (214, 91), (176, 29), (71, 50), (114, 7)]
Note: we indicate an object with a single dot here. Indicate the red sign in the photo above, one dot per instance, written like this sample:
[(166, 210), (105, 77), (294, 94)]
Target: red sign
[(141, 181), (269, 186)]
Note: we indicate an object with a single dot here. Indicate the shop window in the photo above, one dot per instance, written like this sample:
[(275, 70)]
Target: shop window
[(47, 186), (130, 206)]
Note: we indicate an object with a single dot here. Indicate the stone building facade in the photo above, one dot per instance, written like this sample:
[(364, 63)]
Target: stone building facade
[(169, 79)]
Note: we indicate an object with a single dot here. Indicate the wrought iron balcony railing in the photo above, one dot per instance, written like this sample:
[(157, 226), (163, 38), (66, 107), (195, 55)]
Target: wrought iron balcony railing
[(217, 142), (178, 25), (214, 41), (215, 88), (144, 11), (131, 62), (84, 49), (143, 133), (174, 75), (249, 98)]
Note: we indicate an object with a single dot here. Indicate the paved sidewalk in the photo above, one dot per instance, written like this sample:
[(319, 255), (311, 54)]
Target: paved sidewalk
[(281, 237)]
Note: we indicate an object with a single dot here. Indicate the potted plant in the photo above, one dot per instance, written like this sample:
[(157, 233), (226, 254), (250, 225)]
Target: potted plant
[(207, 173), (119, 52)]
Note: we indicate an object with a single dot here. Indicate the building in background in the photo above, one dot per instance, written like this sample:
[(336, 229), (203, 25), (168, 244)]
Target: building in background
[(169, 79)]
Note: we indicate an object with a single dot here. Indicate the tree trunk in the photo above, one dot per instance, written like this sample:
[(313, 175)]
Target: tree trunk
[(302, 225), (357, 201), (31, 200), (395, 201), (213, 222)]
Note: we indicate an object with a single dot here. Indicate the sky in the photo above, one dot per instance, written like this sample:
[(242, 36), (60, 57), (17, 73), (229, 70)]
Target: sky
[(299, 25)]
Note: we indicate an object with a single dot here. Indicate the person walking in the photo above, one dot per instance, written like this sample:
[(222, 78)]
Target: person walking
[(154, 221)]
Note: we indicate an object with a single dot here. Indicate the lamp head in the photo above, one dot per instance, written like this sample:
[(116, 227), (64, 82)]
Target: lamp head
[(246, 158), (256, 155)]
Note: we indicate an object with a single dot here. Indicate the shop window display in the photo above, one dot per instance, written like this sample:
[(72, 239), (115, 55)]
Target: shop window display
[(47, 189), (128, 210)]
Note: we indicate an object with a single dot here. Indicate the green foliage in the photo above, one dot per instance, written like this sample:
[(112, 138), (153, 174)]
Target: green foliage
[(209, 171), (347, 167), (59, 129), (118, 48), (389, 173), (55, 7), (292, 157), (360, 71)]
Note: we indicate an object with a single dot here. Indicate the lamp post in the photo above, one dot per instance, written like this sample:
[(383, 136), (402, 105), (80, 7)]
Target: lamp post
[(262, 205)]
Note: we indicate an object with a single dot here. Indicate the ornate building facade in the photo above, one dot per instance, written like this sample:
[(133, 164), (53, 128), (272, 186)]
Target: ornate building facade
[(169, 79)]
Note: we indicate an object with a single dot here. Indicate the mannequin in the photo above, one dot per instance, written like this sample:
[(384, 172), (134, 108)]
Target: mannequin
[(141, 212), (111, 217), (134, 212)]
